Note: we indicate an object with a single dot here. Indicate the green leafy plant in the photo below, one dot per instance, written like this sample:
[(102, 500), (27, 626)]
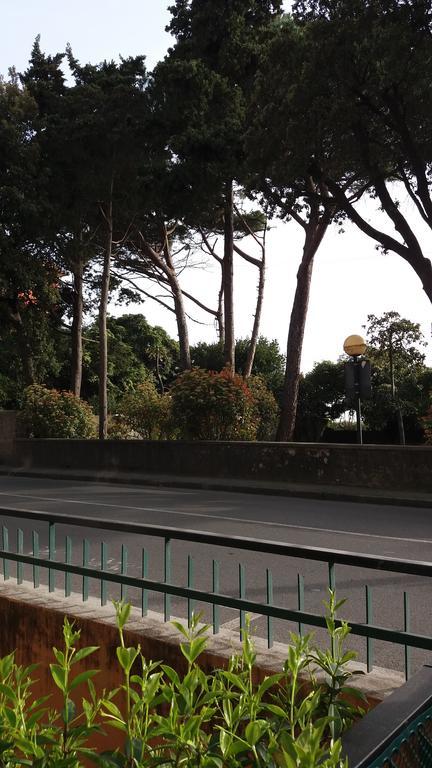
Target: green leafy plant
[(147, 413), (336, 696), (427, 425), (31, 734), (221, 719), (265, 408)]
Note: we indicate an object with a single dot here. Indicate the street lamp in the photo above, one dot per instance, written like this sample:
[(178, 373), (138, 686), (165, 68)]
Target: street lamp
[(357, 376), (354, 345)]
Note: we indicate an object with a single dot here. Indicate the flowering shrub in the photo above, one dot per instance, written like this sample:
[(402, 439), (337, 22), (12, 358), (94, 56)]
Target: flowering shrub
[(147, 413), (213, 406), (53, 413), (118, 428)]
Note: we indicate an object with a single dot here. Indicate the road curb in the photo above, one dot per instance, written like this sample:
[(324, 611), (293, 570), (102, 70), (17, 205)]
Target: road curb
[(361, 496)]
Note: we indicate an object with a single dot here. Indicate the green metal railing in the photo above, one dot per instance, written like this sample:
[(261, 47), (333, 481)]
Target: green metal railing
[(397, 733), (412, 748), (193, 595)]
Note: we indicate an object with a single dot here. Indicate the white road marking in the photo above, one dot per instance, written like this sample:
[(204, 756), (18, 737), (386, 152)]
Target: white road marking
[(226, 518)]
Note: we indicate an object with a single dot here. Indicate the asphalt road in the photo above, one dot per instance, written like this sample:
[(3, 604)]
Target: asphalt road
[(404, 532)]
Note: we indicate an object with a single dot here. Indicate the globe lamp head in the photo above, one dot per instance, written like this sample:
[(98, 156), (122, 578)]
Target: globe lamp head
[(354, 345)]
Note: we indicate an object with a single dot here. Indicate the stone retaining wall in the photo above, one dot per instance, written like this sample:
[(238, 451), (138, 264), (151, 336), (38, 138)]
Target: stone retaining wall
[(370, 466)]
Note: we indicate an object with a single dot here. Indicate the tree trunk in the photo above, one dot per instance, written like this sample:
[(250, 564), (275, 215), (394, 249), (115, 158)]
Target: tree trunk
[(257, 320), (423, 268), (103, 342), (314, 233), (28, 360), (182, 328), (285, 430), (228, 280), (77, 323), (220, 312), (401, 428)]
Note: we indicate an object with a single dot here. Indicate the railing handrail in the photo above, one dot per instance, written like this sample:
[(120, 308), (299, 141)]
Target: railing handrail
[(376, 632), (321, 554)]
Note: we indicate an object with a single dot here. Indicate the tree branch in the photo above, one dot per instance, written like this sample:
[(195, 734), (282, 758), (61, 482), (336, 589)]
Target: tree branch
[(246, 257)]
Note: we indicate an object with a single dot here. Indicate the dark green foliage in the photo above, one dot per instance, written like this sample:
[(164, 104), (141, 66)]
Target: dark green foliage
[(30, 337), (203, 123), (266, 409), (208, 356), (151, 345), (29, 295), (137, 351), (269, 362), (224, 35), (20, 170), (403, 337), (427, 422), (356, 113), (321, 399), (395, 346), (206, 82), (146, 413)]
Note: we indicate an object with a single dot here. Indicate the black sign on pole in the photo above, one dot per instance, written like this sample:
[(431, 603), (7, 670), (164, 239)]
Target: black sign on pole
[(358, 387), (358, 380)]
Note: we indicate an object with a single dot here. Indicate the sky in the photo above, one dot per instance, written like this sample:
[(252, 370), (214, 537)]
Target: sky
[(351, 278)]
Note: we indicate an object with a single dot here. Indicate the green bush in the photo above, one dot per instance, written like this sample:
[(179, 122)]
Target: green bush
[(53, 413), (427, 426), (265, 408), (195, 720), (147, 413), (213, 406)]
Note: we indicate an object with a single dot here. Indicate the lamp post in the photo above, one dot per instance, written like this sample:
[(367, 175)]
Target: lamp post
[(355, 347)]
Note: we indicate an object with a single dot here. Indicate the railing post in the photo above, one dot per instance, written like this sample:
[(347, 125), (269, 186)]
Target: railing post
[(216, 589), (85, 562), (104, 567), (123, 571), (144, 574), (269, 591), (5, 537), (332, 587), (68, 561), (242, 595), (369, 620), (36, 568), (407, 649), (51, 555), (190, 583), (300, 600), (167, 578), (20, 551), (331, 577)]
